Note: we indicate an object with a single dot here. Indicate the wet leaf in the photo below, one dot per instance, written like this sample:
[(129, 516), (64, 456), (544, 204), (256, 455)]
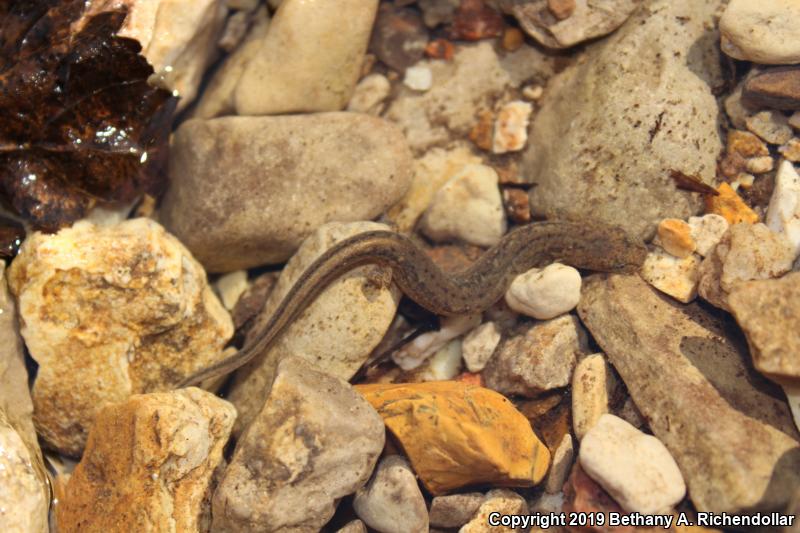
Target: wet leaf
[(78, 121), (691, 183)]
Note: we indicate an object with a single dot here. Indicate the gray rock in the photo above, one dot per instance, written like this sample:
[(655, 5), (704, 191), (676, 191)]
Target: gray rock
[(257, 186), (728, 428), (455, 510), (392, 502), (314, 441), (612, 127)]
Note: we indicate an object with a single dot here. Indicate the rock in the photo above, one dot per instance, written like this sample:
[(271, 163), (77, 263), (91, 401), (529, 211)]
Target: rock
[(736, 108), (518, 208), (689, 376), (537, 359), (309, 60), (252, 301), (772, 126), (468, 207), (583, 495), (235, 30), (791, 150), (436, 12), (369, 95), (391, 501), (545, 293), (746, 252), (356, 526), (511, 127), (24, 500), (399, 37), (563, 456), (744, 152), (593, 387), (149, 464), (794, 120), (473, 80), (108, 312), (730, 206), (454, 510), (336, 332), (763, 32), (230, 287), (474, 20), (628, 130), (635, 468), (707, 232), (283, 177), (769, 313), (777, 88), (314, 441), (445, 364), (565, 24), (457, 434), (673, 276), (675, 236), (783, 213), (418, 78), (498, 501), (414, 353), (479, 344)]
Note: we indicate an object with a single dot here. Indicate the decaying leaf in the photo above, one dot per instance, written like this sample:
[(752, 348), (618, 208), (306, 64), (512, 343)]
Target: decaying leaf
[(691, 183), (78, 120)]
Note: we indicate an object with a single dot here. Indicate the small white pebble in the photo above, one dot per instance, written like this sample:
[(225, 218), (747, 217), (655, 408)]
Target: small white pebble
[(417, 351), (671, 275), (760, 165), (511, 127), (783, 212), (533, 92), (445, 363), (418, 78), (545, 293), (479, 345), (230, 287), (707, 231)]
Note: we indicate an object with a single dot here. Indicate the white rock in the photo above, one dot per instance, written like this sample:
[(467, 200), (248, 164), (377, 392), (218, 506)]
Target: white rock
[(467, 208), (23, 502), (310, 59), (636, 469), (560, 465), (772, 126), (763, 31), (671, 275), (593, 385), (545, 293), (783, 213), (230, 287), (760, 165), (707, 231), (444, 364), (369, 95), (479, 344), (417, 351), (391, 502), (511, 127), (418, 78)]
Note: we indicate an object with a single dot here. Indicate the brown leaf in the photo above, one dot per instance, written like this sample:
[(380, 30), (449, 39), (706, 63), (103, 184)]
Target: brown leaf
[(691, 183)]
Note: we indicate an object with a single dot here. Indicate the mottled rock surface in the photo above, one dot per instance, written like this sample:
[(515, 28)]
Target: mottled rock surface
[(24, 500), (593, 387), (454, 510), (764, 32)]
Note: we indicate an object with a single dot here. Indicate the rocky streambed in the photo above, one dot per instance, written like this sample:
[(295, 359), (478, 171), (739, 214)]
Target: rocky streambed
[(176, 174)]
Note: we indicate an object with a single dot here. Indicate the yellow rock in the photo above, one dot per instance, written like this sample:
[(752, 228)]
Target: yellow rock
[(676, 237), (457, 434), (729, 205)]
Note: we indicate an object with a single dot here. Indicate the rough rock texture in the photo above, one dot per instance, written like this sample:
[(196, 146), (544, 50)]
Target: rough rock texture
[(309, 60), (259, 185), (783, 213), (108, 312), (707, 232), (593, 387), (336, 332), (689, 377), (356, 526), (503, 501), (537, 358), (24, 499), (454, 510), (769, 313), (545, 293), (612, 127), (563, 457), (673, 276), (764, 31), (589, 19), (149, 465), (479, 344), (314, 441), (777, 88), (391, 502)]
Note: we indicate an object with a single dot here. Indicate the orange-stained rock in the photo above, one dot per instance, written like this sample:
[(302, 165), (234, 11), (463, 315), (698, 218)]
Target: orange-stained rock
[(676, 237), (730, 206), (457, 434)]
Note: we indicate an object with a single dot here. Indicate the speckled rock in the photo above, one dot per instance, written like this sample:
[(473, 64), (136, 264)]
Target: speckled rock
[(593, 387), (479, 344), (412, 354), (314, 441), (545, 293), (673, 276), (764, 31), (783, 213), (503, 501), (149, 465), (629, 125), (24, 499), (259, 185), (391, 502), (707, 232), (455, 510), (772, 126), (108, 312)]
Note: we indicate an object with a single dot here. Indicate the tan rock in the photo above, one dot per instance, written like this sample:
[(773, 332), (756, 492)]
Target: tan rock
[(314, 441), (707, 232), (412, 354), (563, 457), (671, 275), (454, 510), (108, 312), (369, 94), (356, 526), (149, 465), (502, 501), (24, 498), (593, 387), (772, 126), (764, 32), (479, 345), (675, 236), (511, 127)]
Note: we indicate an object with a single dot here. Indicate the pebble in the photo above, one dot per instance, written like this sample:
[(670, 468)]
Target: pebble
[(418, 78), (356, 526), (545, 293), (149, 464), (783, 212), (500, 501), (24, 499), (518, 208), (391, 502), (730, 206), (398, 37), (443, 365), (794, 120), (313, 441), (777, 88), (772, 126), (230, 287), (414, 353), (563, 457), (336, 332), (593, 387), (636, 469), (147, 318), (248, 181), (705, 414), (479, 345), (791, 150), (587, 164), (675, 236), (671, 275), (235, 30), (511, 127), (536, 358), (436, 12), (468, 208), (763, 32), (310, 59), (474, 20), (566, 23), (583, 495), (454, 510), (370, 94), (456, 434)]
